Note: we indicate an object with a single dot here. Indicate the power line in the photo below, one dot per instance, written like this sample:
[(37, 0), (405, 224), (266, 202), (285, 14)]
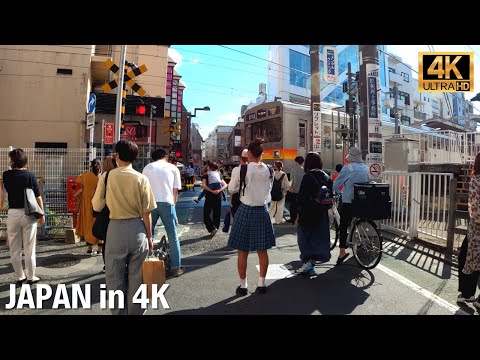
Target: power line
[(255, 56), (219, 57)]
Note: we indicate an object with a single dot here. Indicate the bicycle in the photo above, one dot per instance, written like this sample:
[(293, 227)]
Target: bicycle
[(364, 238)]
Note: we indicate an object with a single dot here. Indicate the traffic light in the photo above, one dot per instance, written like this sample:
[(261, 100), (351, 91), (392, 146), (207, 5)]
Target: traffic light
[(178, 154), (141, 110)]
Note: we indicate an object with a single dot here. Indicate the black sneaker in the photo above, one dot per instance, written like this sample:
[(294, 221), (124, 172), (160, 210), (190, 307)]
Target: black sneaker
[(241, 291), (261, 290)]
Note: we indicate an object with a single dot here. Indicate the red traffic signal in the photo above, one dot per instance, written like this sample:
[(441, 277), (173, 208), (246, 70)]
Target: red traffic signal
[(178, 154), (141, 110)]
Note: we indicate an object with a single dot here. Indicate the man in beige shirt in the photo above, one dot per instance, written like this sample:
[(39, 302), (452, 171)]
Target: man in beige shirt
[(130, 200)]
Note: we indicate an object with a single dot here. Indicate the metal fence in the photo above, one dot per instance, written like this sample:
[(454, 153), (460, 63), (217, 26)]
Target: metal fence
[(53, 166), (420, 203)]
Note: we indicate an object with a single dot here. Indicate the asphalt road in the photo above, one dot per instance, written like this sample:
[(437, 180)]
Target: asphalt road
[(407, 281)]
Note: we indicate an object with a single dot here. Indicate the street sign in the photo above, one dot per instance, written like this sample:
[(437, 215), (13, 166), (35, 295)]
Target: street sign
[(91, 120), (128, 78), (92, 101), (109, 133), (404, 197), (375, 170), (330, 62), (317, 127)]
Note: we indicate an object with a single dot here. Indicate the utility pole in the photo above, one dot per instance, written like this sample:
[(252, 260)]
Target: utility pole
[(370, 107), (120, 108), (314, 81), (351, 106), (395, 99)]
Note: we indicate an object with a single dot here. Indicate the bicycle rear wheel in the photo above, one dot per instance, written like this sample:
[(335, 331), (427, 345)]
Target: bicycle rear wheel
[(366, 243), (336, 229)]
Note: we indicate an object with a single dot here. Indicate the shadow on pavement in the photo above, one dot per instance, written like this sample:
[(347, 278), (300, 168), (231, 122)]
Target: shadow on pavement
[(299, 295), (422, 258)]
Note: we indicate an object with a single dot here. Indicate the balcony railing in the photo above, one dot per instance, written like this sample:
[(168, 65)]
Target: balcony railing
[(420, 115)]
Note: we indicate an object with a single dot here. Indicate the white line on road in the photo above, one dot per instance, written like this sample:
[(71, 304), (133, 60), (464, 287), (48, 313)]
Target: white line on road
[(431, 296)]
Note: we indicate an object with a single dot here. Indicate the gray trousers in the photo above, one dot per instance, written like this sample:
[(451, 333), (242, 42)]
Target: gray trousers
[(125, 253)]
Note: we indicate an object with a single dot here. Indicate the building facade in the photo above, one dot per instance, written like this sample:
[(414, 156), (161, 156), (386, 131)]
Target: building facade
[(217, 142), (414, 106), (236, 142), (289, 73), (45, 90)]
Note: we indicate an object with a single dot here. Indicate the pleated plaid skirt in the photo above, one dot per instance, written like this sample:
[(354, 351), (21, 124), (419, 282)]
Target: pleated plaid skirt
[(252, 229)]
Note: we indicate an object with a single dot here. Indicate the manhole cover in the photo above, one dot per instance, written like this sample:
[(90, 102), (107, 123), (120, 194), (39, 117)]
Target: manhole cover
[(59, 261)]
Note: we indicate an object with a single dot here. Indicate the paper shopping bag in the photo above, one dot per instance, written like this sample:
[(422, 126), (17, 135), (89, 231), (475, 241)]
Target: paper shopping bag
[(153, 273)]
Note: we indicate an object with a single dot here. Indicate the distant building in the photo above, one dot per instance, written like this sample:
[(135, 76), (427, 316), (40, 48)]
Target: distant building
[(217, 142), (236, 143)]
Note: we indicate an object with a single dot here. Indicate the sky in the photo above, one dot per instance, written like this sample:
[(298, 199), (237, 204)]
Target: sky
[(227, 77)]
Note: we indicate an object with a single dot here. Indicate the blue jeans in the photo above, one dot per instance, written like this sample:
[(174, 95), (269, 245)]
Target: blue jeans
[(168, 214)]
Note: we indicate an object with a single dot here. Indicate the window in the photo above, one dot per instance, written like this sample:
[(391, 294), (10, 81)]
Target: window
[(405, 120), (406, 77), (391, 70), (270, 129), (301, 135), (50, 145), (301, 63), (64, 71)]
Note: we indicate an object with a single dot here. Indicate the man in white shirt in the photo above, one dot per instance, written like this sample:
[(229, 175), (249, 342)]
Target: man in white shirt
[(165, 182)]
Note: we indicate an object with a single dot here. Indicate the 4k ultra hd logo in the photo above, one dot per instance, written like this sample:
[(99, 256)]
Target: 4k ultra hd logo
[(445, 71)]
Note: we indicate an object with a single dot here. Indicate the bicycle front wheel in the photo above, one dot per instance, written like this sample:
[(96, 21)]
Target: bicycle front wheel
[(366, 243)]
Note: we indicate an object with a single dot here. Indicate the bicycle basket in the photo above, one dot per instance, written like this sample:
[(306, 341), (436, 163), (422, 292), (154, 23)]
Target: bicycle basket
[(372, 201)]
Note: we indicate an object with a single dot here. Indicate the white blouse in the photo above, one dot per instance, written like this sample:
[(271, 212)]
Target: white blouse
[(258, 185)]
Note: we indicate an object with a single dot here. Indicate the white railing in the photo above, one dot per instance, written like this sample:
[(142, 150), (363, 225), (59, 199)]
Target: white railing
[(400, 189), (420, 203), (443, 147)]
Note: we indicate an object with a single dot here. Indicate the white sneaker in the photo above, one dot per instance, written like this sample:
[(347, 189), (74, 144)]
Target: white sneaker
[(302, 269), (461, 299), (214, 231)]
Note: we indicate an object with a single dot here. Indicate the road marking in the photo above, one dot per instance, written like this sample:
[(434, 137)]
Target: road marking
[(276, 271), (422, 291)]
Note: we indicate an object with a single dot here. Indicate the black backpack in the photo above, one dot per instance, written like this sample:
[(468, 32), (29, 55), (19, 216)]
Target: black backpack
[(243, 174), (276, 192), (324, 198)]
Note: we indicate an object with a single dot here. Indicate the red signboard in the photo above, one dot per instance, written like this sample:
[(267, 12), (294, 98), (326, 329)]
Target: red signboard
[(109, 133)]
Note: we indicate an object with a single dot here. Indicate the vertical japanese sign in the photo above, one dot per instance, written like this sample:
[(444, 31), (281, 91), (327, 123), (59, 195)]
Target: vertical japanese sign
[(109, 133), (317, 127), (374, 106), (330, 61)]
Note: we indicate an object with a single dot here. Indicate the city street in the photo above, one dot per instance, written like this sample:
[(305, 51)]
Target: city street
[(411, 280)]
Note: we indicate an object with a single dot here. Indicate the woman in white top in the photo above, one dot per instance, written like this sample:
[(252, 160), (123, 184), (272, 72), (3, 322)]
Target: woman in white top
[(252, 229), (277, 206)]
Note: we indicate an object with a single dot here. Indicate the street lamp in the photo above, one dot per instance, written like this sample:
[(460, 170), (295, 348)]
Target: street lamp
[(190, 116)]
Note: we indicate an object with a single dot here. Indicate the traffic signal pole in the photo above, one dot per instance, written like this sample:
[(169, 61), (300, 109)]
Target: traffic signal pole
[(120, 105)]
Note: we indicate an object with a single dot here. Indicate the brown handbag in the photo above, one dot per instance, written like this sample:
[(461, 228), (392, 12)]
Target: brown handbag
[(153, 273)]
